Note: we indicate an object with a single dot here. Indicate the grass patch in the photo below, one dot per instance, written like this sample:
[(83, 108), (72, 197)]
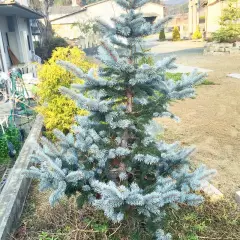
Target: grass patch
[(212, 220), (208, 82), (220, 220), (177, 77)]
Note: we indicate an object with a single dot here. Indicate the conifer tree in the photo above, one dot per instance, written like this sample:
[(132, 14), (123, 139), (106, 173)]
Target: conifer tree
[(162, 36), (176, 34), (197, 34), (113, 157)]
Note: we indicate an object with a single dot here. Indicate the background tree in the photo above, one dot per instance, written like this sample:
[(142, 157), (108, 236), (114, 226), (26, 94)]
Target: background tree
[(176, 34), (113, 156), (229, 24), (44, 6), (86, 27), (162, 36), (197, 34)]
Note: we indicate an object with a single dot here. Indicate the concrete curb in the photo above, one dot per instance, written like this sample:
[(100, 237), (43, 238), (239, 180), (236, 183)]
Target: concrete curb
[(212, 192), (13, 195), (237, 197)]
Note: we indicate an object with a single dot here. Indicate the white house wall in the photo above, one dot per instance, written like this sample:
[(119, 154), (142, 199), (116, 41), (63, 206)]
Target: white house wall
[(23, 2), (24, 32), (4, 30), (105, 10), (214, 13), (18, 40)]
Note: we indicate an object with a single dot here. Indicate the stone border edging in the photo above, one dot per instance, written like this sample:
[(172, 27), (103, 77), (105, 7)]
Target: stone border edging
[(215, 48), (237, 197), (212, 192), (14, 193)]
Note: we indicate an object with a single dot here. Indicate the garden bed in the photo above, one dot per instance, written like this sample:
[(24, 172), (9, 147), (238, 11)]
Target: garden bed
[(213, 220)]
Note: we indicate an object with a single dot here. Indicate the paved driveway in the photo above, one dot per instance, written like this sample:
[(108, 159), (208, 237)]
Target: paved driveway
[(180, 48)]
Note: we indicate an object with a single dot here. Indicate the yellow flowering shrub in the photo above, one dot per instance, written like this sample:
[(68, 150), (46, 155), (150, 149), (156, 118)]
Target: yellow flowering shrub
[(58, 110)]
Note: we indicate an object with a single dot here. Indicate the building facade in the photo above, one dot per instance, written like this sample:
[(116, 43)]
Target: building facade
[(210, 11), (63, 18), (16, 44)]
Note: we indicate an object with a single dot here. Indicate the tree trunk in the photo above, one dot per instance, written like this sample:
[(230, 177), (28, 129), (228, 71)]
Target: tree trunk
[(47, 34)]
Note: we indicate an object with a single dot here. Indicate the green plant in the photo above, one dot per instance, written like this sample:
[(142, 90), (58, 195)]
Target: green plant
[(176, 34), (146, 59), (162, 36), (174, 76), (197, 34), (45, 51), (208, 82), (4, 157), (202, 19), (46, 236), (178, 76), (229, 24), (213, 220), (58, 110), (11, 135)]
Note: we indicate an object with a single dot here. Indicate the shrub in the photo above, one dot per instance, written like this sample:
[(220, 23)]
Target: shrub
[(45, 51), (9, 141), (176, 34), (58, 110), (202, 19), (229, 24), (197, 34), (162, 36)]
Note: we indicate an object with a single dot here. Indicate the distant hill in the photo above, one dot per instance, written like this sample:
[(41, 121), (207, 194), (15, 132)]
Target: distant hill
[(175, 2), (176, 8)]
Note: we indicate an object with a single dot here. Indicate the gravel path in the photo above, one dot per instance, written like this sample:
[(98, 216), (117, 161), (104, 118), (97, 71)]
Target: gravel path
[(211, 121)]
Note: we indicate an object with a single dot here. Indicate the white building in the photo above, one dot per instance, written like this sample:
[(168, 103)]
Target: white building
[(16, 45), (63, 17)]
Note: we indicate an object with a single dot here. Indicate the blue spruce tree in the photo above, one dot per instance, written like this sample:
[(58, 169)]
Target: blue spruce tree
[(112, 157)]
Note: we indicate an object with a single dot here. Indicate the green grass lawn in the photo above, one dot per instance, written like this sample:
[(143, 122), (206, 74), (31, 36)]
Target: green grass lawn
[(178, 76)]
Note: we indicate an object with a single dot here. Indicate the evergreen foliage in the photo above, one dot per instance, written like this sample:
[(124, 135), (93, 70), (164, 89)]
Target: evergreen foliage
[(197, 34), (229, 24), (113, 156), (46, 50), (162, 36), (58, 110), (176, 34)]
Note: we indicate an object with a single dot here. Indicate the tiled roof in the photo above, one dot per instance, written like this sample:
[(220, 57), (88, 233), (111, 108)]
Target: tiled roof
[(70, 9), (64, 9)]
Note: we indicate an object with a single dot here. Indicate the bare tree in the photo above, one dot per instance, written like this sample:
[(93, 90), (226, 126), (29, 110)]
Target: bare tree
[(44, 6)]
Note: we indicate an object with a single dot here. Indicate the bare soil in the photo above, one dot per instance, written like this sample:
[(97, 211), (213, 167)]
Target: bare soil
[(211, 121)]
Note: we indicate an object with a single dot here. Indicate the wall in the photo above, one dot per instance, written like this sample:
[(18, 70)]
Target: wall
[(193, 16), (23, 2), (4, 30), (213, 14), (14, 192), (17, 40), (63, 27), (94, 11), (23, 25)]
